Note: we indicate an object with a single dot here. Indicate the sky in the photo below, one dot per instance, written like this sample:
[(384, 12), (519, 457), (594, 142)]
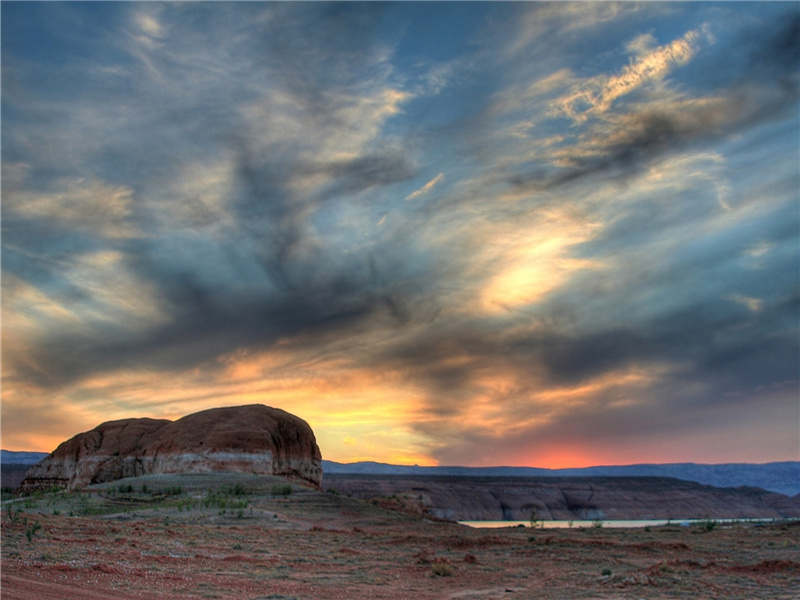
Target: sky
[(542, 234)]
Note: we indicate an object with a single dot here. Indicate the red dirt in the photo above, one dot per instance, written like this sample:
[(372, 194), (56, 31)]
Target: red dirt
[(146, 558)]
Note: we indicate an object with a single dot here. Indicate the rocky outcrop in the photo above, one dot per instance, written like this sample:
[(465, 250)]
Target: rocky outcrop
[(574, 498), (250, 439)]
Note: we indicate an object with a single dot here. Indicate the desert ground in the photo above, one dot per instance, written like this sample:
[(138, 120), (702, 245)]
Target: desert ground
[(234, 536)]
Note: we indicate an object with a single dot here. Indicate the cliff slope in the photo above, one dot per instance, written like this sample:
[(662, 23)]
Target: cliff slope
[(568, 498)]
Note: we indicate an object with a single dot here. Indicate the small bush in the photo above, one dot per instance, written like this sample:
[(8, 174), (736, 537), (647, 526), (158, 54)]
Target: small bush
[(12, 514), (536, 522), (235, 490), (708, 525), (31, 531), (441, 569), (282, 489)]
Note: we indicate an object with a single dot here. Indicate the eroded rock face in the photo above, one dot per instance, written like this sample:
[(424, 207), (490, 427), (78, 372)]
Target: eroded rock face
[(249, 439)]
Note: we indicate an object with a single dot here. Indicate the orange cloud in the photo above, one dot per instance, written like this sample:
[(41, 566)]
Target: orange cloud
[(522, 265)]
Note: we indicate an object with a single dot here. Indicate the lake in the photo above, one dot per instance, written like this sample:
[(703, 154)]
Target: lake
[(611, 524)]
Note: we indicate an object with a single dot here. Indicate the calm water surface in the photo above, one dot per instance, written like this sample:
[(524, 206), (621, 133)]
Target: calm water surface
[(610, 524)]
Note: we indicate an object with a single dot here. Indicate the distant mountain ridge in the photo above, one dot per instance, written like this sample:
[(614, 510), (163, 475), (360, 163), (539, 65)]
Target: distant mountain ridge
[(781, 477), (10, 457)]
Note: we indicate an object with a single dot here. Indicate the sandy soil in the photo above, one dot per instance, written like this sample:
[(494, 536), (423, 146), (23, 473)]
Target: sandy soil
[(315, 545)]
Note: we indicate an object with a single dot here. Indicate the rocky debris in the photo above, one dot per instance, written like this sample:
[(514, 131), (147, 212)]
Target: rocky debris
[(249, 439), (573, 498)]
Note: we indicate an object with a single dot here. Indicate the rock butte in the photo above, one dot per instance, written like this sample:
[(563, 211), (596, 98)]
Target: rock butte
[(249, 439)]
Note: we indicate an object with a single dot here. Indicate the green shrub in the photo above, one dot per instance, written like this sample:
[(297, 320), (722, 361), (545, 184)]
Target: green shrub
[(282, 489)]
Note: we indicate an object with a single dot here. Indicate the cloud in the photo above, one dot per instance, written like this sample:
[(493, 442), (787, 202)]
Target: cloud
[(425, 188), (93, 206), (616, 243), (595, 96), (150, 25), (754, 304)]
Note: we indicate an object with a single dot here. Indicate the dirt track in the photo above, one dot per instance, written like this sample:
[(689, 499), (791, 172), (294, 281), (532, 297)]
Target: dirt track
[(25, 588)]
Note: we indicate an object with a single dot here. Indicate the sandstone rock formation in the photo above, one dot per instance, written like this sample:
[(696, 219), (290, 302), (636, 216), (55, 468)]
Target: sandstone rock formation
[(249, 439)]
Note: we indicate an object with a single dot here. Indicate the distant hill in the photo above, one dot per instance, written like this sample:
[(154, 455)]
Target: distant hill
[(9, 457), (781, 477), (14, 466)]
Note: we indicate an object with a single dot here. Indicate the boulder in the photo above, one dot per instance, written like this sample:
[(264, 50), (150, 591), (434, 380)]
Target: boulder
[(249, 439)]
